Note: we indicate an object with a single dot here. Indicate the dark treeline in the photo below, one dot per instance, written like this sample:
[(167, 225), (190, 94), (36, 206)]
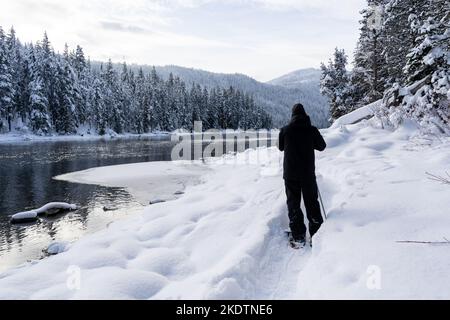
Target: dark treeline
[(49, 92)]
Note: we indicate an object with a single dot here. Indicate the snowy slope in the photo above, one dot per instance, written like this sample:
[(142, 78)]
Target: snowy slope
[(298, 78), (378, 194), (357, 115), (224, 237), (277, 99)]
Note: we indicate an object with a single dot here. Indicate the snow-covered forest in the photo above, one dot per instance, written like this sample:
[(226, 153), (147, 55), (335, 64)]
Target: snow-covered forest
[(276, 97), (47, 92), (402, 57)]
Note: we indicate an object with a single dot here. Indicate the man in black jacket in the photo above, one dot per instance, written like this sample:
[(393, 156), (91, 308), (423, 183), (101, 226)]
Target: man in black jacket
[(298, 140)]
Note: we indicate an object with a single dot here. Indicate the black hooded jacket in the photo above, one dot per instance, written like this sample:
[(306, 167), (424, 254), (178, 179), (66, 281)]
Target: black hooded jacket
[(298, 140)]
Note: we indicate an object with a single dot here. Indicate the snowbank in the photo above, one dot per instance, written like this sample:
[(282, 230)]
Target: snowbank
[(358, 114), (224, 238), (377, 194), (206, 244), (57, 247), (144, 180)]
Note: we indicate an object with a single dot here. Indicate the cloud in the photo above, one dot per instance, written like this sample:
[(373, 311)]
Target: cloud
[(263, 38), (336, 8), (117, 26)]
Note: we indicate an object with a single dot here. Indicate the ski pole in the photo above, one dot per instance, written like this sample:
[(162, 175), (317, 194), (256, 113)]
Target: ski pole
[(321, 203)]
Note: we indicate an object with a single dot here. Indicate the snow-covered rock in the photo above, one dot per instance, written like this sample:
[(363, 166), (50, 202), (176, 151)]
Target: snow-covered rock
[(25, 216), (57, 247), (32, 215)]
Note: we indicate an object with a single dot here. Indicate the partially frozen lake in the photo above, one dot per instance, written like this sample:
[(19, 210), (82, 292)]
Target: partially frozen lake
[(27, 171)]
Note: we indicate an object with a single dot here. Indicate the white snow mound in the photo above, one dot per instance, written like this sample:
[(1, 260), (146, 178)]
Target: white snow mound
[(32, 214), (358, 114)]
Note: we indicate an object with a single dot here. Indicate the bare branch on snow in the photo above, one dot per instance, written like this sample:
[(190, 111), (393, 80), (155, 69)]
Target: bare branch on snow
[(425, 242), (441, 179)]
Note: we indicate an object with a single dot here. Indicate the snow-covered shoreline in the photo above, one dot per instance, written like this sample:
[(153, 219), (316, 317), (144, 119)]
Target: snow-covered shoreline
[(145, 180), (224, 238), (16, 137)]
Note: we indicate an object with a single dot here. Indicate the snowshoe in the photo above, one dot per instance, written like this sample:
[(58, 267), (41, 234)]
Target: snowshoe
[(295, 243)]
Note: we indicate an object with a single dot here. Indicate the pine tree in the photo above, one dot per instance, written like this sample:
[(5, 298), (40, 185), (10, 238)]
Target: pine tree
[(426, 94), (213, 109), (24, 73), (82, 84), (7, 91), (39, 115), (204, 108), (157, 100), (46, 64), (98, 106), (335, 85), (397, 39), (142, 103), (368, 75), (195, 103), (219, 101), (59, 93), (126, 99), (182, 117), (67, 96), (111, 96), (169, 114), (79, 62)]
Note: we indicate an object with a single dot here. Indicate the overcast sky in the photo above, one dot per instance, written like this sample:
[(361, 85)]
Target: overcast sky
[(262, 38)]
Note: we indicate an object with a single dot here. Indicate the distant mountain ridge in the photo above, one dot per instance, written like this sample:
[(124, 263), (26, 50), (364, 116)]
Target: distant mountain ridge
[(276, 96), (297, 78)]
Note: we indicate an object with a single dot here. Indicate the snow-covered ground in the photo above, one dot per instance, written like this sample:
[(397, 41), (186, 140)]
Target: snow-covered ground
[(143, 180), (224, 237)]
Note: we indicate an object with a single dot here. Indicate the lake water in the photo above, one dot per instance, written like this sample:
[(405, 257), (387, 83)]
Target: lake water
[(26, 172)]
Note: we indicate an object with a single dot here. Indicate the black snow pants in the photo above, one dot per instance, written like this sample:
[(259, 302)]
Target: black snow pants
[(294, 191)]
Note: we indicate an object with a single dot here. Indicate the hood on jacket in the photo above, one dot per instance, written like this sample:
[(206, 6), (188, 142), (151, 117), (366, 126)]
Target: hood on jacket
[(299, 115), (298, 110)]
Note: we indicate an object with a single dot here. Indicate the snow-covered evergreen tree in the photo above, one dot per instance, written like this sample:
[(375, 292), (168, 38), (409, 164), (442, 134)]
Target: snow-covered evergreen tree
[(24, 75), (7, 90), (142, 101), (59, 93), (82, 84), (196, 105), (38, 103), (67, 96), (113, 99), (182, 119), (213, 109), (425, 95), (79, 62), (396, 38), (98, 106), (335, 85), (368, 74)]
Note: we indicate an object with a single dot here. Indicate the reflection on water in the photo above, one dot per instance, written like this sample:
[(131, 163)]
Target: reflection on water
[(26, 171)]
